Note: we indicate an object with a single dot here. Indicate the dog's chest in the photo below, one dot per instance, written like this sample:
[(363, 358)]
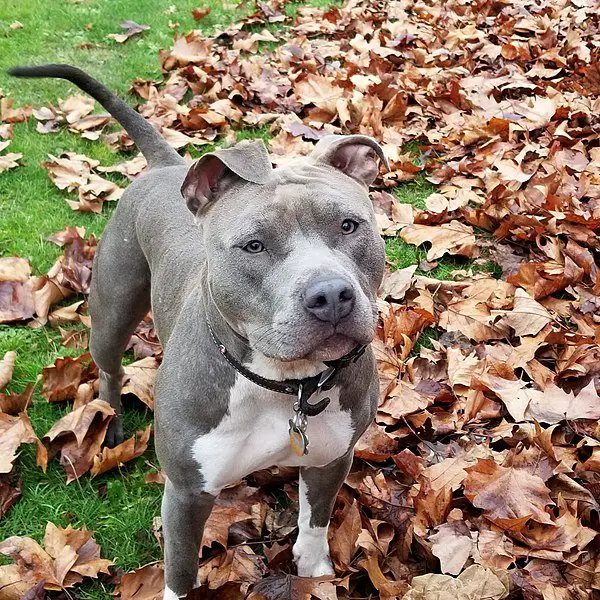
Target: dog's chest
[(253, 435)]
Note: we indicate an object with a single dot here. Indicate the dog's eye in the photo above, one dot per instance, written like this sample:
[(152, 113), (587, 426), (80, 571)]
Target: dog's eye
[(349, 226), (254, 247)]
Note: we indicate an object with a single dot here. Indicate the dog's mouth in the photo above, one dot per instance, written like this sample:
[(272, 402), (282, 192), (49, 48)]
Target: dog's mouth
[(332, 348)]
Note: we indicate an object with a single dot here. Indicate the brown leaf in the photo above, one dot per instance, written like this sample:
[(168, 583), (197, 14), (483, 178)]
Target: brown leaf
[(61, 380), (448, 238), (13, 115), (343, 534), (551, 405), (528, 317), (139, 380), (16, 294), (452, 544), (8, 160), (475, 583), (68, 556), (375, 444), (285, 587), (14, 431), (59, 542), (7, 365), (78, 436), (396, 284), (112, 457), (12, 585), (13, 404), (238, 565), (8, 496), (131, 29), (145, 583), (508, 496), (200, 12)]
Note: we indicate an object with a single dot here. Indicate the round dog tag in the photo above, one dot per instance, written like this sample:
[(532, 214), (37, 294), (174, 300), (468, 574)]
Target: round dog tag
[(298, 440)]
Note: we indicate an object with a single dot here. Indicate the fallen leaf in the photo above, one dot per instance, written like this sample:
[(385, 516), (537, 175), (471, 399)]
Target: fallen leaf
[(78, 437), (145, 583), (14, 432), (9, 495), (61, 380), (508, 496), (114, 457), (448, 238), (131, 29), (139, 380), (7, 365), (200, 12)]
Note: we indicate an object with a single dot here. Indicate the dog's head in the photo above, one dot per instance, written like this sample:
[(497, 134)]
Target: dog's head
[(293, 254)]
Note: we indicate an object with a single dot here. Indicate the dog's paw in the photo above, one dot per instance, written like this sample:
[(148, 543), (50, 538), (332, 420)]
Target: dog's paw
[(170, 594), (114, 434), (312, 560), (311, 566)]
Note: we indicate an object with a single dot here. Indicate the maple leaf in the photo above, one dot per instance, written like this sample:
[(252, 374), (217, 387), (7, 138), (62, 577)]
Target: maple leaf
[(113, 457), (61, 380), (14, 432), (8, 160), (139, 379), (550, 405), (7, 364), (145, 583), (13, 404), (343, 534), (68, 556), (449, 238), (131, 29), (452, 544), (238, 565), (508, 496), (16, 291), (78, 437), (9, 494), (527, 317), (474, 583)]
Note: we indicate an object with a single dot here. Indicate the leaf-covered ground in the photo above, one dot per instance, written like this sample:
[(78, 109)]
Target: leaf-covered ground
[(480, 478)]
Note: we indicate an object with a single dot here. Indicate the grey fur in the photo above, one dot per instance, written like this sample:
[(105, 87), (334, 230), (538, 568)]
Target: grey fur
[(190, 269)]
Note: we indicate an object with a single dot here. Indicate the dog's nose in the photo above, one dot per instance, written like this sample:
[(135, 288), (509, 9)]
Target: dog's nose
[(330, 300)]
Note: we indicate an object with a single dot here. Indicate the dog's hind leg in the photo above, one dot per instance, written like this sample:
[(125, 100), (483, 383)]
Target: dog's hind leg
[(119, 300)]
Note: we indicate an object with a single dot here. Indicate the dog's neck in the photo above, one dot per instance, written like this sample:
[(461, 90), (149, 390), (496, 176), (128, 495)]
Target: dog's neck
[(257, 362)]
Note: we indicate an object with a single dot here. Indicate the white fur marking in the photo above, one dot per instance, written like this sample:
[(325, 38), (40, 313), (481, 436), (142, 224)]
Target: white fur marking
[(311, 550), (170, 594), (253, 435)]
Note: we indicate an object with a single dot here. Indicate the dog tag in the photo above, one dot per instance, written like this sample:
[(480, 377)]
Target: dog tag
[(298, 440)]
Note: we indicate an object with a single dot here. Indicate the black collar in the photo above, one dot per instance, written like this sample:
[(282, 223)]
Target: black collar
[(302, 388)]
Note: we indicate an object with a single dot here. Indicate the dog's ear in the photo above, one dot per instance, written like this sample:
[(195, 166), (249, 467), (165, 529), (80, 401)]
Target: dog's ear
[(354, 155), (215, 171)]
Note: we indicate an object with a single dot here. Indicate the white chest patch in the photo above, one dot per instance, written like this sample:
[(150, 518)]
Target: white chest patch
[(254, 435)]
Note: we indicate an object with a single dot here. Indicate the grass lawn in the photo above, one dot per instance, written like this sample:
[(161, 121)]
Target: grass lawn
[(119, 506)]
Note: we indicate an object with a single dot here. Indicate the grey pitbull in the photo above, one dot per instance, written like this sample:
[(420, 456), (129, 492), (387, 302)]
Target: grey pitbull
[(262, 283)]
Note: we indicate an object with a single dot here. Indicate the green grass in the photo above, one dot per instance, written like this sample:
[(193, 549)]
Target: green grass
[(118, 506)]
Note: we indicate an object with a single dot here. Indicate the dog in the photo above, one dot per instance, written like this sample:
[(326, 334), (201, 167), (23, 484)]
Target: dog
[(262, 284)]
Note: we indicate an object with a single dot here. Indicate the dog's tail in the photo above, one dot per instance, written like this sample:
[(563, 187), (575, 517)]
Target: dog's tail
[(156, 151)]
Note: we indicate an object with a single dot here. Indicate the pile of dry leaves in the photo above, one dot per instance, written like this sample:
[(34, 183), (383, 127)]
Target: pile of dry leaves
[(481, 477)]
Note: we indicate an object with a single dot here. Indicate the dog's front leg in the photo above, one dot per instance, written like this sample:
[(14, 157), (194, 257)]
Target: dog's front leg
[(184, 513), (318, 489)]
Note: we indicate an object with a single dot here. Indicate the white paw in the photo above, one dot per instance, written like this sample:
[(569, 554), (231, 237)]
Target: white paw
[(311, 553), (311, 566), (170, 594)]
